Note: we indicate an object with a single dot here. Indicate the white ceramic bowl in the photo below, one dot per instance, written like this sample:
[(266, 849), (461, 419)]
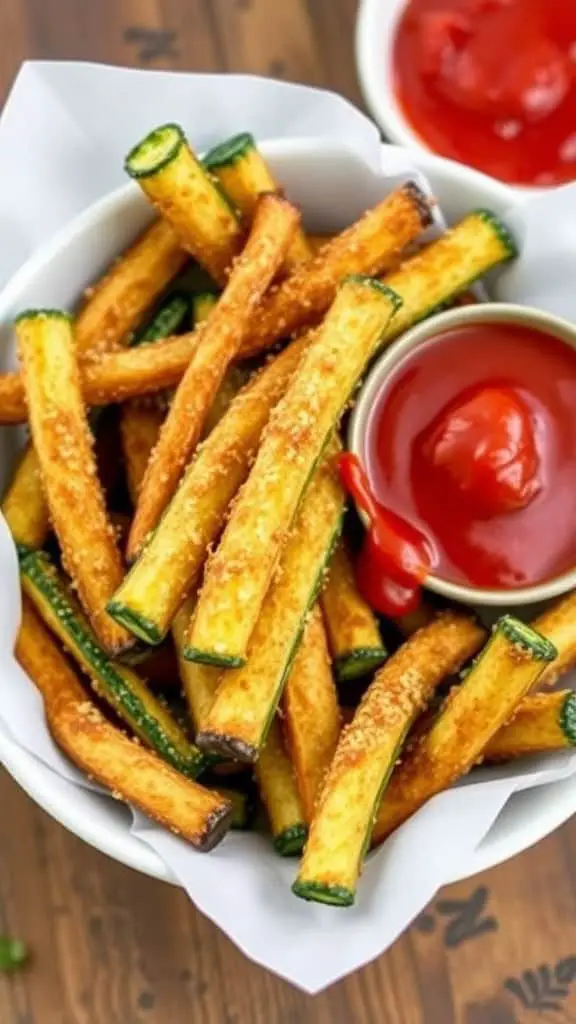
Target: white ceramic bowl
[(56, 275), (360, 429)]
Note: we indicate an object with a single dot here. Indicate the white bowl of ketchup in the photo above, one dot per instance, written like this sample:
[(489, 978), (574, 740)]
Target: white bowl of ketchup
[(466, 430), (489, 83)]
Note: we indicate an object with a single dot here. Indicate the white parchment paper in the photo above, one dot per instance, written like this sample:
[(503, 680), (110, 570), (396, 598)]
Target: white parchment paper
[(63, 136)]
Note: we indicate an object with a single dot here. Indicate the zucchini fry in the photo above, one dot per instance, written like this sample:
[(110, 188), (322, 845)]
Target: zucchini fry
[(317, 242), (140, 423), (24, 506), (118, 685), (175, 181), (412, 621), (222, 335), (370, 246), (171, 562), (202, 305), (558, 624), (311, 715), (353, 632), (200, 682), (542, 722), (64, 445), (243, 175), (503, 672), (446, 267), (247, 698), (115, 377), (172, 314), (239, 574), (119, 301), (129, 771), (277, 786), (367, 752)]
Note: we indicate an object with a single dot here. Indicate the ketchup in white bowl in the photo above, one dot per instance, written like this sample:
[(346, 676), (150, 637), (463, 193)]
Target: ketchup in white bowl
[(492, 83)]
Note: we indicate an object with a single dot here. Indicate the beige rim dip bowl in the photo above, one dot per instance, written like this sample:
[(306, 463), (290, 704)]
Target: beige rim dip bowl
[(388, 362)]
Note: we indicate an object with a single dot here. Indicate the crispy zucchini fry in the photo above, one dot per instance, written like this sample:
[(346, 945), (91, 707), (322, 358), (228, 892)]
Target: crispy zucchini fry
[(317, 242), (140, 423), (64, 445), (367, 752), (558, 624), (239, 574), (24, 506), (353, 632), (202, 305), (128, 770), (448, 266), (311, 714), (119, 301), (200, 682), (173, 313), (175, 181), (277, 786), (171, 562), (541, 723), (115, 683), (243, 175), (505, 670), (370, 246), (222, 336), (247, 698)]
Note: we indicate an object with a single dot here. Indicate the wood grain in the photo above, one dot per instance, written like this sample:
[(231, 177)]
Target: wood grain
[(111, 947)]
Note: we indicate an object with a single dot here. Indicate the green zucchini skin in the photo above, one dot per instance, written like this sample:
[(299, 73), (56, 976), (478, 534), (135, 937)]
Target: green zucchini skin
[(168, 319), (318, 892), (568, 718), (43, 314), (358, 663), (500, 229), (141, 627), (209, 658), (290, 842), (38, 569), (167, 135), (520, 633), (378, 286), (230, 151)]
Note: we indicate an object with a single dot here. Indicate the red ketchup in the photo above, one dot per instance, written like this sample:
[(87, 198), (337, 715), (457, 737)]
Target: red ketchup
[(395, 557), (472, 440), (492, 83)]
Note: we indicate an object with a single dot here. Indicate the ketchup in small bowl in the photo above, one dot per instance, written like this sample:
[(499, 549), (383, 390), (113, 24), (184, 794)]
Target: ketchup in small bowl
[(466, 431), (492, 83)]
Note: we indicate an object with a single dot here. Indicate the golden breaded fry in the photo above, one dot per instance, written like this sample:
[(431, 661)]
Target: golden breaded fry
[(24, 505), (311, 715), (171, 562), (353, 633), (411, 621), (240, 572), (115, 377), (200, 682), (367, 752), (542, 722), (140, 423), (128, 770), (244, 175), (64, 445), (558, 624), (247, 698), (175, 181), (368, 247), (277, 787), (222, 336), (317, 242), (118, 302), (508, 666)]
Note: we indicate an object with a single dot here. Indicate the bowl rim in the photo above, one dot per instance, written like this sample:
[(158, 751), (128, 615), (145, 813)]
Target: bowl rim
[(35, 778), (429, 332)]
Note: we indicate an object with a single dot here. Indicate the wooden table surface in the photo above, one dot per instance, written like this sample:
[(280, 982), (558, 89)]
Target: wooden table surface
[(111, 947)]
